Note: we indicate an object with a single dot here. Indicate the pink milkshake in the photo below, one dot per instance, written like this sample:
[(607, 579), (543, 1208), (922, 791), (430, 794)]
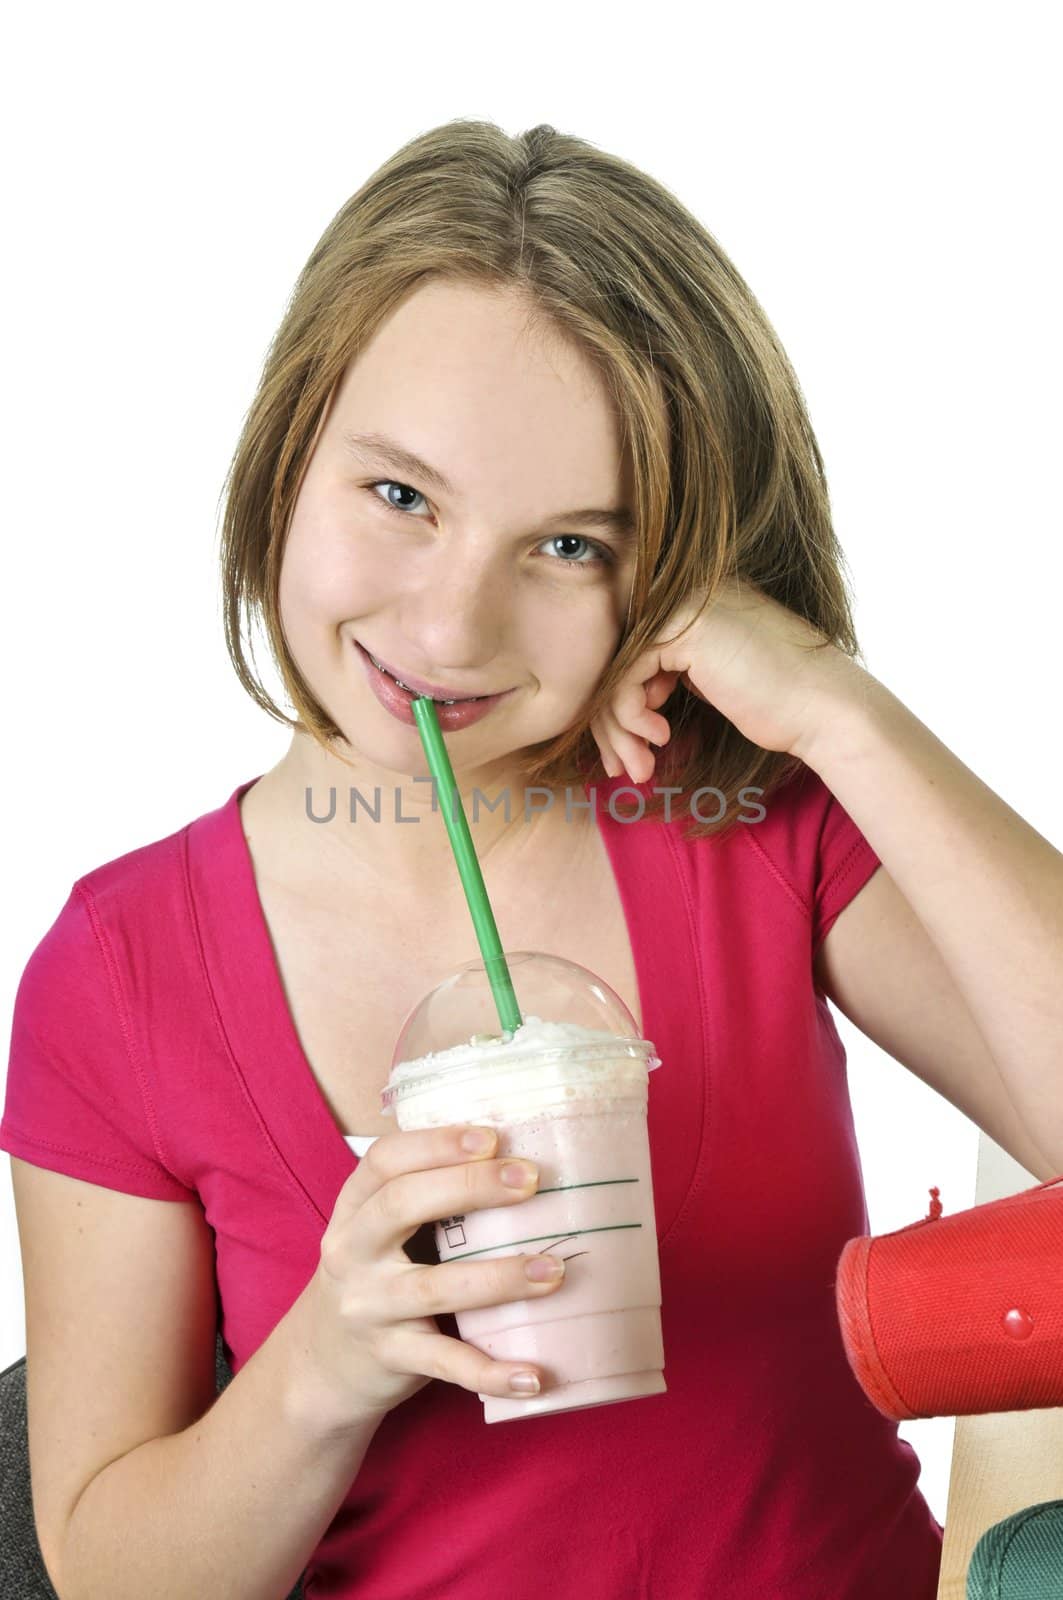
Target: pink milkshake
[(571, 1096)]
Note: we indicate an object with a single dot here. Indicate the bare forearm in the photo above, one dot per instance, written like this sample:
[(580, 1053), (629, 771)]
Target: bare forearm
[(233, 1505), (986, 886)]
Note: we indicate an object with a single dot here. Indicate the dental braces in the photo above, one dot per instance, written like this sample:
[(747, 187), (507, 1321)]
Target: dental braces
[(406, 686)]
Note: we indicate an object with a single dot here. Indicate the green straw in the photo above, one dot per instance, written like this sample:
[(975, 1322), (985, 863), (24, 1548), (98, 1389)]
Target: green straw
[(472, 881)]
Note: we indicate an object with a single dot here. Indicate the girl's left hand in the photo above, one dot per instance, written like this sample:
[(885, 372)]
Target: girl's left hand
[(761, 665)]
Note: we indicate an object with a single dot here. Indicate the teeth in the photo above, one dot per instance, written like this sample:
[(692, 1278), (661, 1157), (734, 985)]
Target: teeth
[(406, 686)]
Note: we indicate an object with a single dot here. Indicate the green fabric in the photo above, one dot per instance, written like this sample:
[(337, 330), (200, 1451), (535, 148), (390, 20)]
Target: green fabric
[(1020, 1558)]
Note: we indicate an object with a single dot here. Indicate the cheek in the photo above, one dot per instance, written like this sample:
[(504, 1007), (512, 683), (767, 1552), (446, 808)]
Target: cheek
[(574, 656), (326, 570)]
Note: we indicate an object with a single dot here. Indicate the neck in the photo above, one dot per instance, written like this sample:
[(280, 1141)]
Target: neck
[(326, 817)]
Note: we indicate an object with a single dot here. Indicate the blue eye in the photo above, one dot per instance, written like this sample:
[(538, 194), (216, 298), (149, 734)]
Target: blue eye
[(390, 483), (603, 557)]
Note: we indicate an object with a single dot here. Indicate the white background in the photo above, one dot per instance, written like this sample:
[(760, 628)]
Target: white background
[(886, 181)]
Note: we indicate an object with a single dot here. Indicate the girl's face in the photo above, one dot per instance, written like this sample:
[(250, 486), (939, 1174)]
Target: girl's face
[(486, 584)]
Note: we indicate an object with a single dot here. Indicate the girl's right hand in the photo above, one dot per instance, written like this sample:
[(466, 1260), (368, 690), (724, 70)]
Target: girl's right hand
[(373, 1340)]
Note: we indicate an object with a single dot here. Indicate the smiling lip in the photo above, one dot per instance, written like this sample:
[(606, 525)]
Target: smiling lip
[(399, 702), (430, 691)]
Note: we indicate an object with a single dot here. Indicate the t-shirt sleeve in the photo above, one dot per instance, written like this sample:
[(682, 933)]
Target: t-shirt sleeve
[(845, 862), (75, 1099), (816, 848)]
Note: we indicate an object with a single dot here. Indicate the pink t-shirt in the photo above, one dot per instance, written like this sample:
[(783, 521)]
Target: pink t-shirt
[(153, 1052)]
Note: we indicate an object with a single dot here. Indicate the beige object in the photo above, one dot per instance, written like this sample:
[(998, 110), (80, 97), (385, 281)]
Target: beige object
[(1007, 1460)]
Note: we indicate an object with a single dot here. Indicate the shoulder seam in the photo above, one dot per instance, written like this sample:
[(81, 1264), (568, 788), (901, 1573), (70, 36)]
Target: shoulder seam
[(845, 866), (779, 876), (139, 1168), (223, 1036), (111, 968)]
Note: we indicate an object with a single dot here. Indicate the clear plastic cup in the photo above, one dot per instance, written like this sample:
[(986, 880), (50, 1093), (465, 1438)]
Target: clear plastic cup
[(569, 1091)]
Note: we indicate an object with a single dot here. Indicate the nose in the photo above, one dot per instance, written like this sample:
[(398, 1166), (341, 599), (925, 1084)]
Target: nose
[(458, 617)]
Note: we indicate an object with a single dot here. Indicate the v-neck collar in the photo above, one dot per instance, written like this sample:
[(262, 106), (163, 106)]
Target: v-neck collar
[(294, 1117)]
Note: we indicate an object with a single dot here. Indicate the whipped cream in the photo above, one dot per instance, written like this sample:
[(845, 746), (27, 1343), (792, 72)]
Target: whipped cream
[(543, 1067), (533, 1037)]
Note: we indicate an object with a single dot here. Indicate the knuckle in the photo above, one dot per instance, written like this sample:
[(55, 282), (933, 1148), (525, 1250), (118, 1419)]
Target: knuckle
[(508, 1269), (423, 1357), (351, 1313), (489, 1380), (383, 1156), (391, 1201), (434, 1366), (347, 1307), (423, 1288), (471, 1175), (372, 1162), (379, 1158), (331, 1252)]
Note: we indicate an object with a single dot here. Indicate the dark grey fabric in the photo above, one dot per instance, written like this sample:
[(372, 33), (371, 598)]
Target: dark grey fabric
[(23, 1575)]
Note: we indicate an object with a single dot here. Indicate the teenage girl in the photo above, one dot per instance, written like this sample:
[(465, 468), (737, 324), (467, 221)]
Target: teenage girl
[(523, 438)]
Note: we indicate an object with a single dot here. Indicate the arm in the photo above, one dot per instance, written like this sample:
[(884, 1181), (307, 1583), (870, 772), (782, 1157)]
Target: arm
[(233, 1505), (984, 886), (878, 965), (145, 1482)]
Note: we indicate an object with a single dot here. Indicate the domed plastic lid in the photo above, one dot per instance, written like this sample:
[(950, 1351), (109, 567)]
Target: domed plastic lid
[(460, 1012)]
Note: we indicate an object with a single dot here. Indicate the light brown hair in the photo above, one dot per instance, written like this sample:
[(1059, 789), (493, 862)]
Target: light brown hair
[(732, 486)]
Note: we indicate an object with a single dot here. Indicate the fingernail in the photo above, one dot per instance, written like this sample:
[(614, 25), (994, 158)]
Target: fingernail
[(540, 1269), (519, 1174), (477, 1139), (524, 1383)]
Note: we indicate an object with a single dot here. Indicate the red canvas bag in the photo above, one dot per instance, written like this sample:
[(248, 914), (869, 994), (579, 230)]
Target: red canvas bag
[(952, 1316)]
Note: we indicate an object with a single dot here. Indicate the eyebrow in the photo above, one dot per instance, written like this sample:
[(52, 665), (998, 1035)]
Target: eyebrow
[(379, 446)]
